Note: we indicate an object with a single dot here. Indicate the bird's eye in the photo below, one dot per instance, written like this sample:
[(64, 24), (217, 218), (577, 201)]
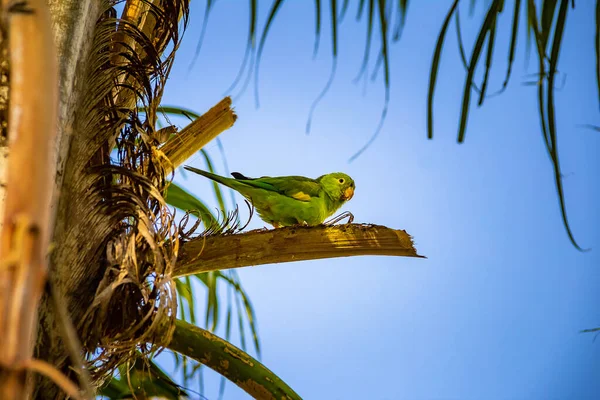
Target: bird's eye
[(341, 180)]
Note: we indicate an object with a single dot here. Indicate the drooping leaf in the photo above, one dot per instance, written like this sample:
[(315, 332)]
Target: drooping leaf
[(241, 294), (461, 48), (483, 32), (435, 67), (401, 19), (276, 5), (215, 185), (185, 292), (513, 43), (590, 330), (143, 379), (207, 10), (226, 168), (249, 52), (533, 27), (115, 388), (317, 26), (181, 111), (386, 80), (179, 198), (592, 127), (333, 65), (150, 380), (548, 12), (558, 34), (365, 62), (488, 59), (344, 9), (361, 7)]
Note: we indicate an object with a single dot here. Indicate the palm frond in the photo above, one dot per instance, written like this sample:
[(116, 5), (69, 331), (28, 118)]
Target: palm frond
[(597, 46), (386, 80), (344, 9), (207, 10), (276, 6), (401, 19), (461, 48), (540, 30), (234, 364), (488, 60), (317, 26), (142, 378), (435, 64), (486, 29), (250, 52), (591, 330), (365, 62), (179, 198), (334, 27), (513, 43), (558, 34)]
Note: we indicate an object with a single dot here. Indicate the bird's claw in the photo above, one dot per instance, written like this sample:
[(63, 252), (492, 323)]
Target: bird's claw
[(335, 220)]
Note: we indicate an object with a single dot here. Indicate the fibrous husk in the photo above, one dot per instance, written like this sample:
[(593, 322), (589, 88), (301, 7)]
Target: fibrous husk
[(116, 242)]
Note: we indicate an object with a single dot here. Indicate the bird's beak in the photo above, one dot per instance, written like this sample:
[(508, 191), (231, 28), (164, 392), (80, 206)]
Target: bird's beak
[(348, 193)]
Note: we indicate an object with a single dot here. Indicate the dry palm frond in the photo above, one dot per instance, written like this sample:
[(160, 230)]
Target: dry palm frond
[(228, 223), (116, 239), (290, 244)]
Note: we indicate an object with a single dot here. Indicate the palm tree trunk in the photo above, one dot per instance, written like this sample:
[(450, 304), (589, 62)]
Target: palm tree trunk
[(73, 25)]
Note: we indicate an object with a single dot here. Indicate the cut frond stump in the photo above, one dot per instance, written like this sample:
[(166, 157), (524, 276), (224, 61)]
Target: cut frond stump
[(197, 134), (289, 244)]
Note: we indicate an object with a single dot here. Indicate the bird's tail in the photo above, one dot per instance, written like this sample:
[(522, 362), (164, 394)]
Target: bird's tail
[(217, 178)]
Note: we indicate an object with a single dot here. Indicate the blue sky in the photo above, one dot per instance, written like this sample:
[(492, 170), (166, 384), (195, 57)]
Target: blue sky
[(495, 310)]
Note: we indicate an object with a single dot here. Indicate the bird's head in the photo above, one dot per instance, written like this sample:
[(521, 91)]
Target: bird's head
[(338, 186)]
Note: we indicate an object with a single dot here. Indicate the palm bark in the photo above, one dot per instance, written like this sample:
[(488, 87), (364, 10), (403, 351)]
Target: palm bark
[(74, 24)]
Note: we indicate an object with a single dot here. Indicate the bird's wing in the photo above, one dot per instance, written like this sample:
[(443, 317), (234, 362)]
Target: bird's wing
[(297, 187)]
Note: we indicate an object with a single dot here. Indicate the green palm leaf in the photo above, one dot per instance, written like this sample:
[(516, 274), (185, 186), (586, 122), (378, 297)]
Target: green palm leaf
[(541, 29), (229, 361)]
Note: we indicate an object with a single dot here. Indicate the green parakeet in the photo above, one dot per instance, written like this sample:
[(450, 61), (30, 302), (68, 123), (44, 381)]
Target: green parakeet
[(290, 200)]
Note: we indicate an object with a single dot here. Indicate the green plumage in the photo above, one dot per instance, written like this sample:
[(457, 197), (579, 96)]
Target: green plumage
[(290, 200)]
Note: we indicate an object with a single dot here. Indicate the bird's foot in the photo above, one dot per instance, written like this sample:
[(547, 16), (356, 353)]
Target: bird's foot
[(335, 220), (299, 224)]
